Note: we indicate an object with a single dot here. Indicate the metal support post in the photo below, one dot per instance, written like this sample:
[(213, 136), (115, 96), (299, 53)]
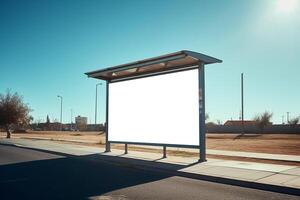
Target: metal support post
[(126, 148), (202, 129), (164, 151), (107, 144)]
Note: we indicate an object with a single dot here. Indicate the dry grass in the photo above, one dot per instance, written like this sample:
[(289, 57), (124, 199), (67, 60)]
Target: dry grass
[(84, 137), (267, 143)]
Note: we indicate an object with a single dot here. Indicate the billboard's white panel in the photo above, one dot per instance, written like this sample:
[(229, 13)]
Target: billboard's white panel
[(159, 109)]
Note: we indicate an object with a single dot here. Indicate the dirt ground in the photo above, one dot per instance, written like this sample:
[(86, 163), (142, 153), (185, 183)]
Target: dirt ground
[(268, 143), (84, 137)]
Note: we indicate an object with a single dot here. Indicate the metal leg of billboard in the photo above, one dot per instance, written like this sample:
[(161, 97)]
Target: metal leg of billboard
[(107, 144), (164, 151), (126, 148), (202, 143)]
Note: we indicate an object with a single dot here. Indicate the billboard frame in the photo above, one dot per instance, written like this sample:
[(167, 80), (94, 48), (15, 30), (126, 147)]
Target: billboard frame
[(110, 75)]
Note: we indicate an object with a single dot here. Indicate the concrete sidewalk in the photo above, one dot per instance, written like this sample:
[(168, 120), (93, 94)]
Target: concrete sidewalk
[(251, 172), (242, 154), (279, 175)]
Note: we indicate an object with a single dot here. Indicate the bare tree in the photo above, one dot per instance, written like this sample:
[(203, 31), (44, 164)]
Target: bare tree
[(294, 121), (263, 120), (13, 111), (47, 120)]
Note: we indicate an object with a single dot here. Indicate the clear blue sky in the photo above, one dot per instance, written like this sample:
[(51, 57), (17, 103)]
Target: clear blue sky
[(46, 46)]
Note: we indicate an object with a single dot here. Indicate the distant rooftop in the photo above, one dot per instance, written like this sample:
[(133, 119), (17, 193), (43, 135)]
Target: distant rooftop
[(178, 61)]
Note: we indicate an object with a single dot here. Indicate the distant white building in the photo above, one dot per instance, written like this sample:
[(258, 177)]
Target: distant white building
[(81, 122)]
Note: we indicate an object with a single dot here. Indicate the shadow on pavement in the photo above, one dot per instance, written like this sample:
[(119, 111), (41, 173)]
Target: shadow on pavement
[(70, 177)]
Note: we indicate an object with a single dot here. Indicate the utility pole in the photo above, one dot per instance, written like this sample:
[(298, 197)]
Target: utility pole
[(96, 102), (282, 119), (61, 104), (287, 117), (242, 101), (71, 119)]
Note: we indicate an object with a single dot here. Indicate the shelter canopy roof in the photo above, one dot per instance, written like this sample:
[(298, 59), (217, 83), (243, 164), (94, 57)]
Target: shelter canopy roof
[(177, 61)]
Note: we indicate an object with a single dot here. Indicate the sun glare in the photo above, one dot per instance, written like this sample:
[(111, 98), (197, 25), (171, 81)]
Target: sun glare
[(286, 6)]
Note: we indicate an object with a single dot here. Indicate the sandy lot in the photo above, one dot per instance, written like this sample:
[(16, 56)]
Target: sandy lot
[(84, 137), (267, 143)]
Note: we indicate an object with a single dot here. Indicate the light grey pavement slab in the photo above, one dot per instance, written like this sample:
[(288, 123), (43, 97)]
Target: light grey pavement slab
[(295, 182), (278, 179), (267, 156), (255, 166), (294, 171), (272, 174)]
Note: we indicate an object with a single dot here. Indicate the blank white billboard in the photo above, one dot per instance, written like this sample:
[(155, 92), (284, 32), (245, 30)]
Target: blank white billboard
[(159, 109)]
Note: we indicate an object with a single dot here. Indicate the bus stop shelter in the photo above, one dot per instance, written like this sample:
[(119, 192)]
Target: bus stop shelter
[(170, 63)]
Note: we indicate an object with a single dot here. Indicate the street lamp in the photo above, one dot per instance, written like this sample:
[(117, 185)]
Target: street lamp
[(61, 103), (96, 103)]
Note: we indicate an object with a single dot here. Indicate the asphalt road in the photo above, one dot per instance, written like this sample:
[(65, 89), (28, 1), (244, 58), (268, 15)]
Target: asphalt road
[(33, 174)]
